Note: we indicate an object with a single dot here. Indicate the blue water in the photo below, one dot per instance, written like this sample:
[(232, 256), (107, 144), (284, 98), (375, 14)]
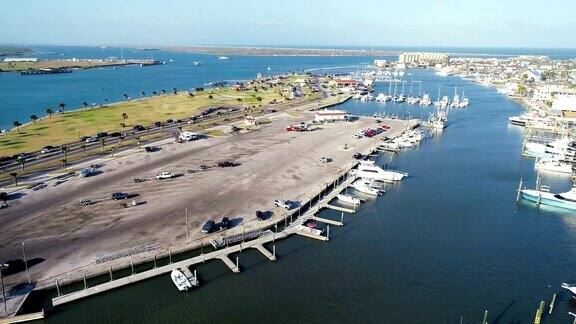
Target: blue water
[(449, 242)]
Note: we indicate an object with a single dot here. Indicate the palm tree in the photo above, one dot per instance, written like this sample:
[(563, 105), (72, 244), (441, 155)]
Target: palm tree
[(64, 150), (64, 161), (33, 118), (102, 143), (49, 111), (4, 199), (83, 147), (190, 94), (239, 99), (175, 91), (85, 104), (210, 97), (22, 161), (124, 116), (142, 94), (155, 93), (61, 106), (163, 91), (17, 124), (14, 176)]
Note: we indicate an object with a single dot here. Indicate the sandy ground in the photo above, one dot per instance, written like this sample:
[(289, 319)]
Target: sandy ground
[(274, 164)]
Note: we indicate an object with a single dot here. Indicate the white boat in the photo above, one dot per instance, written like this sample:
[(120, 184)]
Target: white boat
[(369, 170), (425, 101), (570, 287), (367, 186), (314, 231), (553, 165), (348, 199), (526, 118), (223, 57), (196, 62), (565, 200), (180, 280)]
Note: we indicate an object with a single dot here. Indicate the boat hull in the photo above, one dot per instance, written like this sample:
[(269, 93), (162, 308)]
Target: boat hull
[(547, 198)]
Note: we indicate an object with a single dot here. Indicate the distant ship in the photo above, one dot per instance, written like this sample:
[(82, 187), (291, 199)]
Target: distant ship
[(144, 49), (224, 57)]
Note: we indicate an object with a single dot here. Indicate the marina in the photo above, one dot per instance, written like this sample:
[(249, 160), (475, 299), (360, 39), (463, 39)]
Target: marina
[(441, 220)]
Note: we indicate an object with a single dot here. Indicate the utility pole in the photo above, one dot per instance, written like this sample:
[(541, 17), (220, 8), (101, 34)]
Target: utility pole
[(26, 263), (2, 267), (187, 234)]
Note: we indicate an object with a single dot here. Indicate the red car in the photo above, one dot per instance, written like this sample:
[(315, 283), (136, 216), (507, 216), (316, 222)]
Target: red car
[(293, 128), (385, 126)]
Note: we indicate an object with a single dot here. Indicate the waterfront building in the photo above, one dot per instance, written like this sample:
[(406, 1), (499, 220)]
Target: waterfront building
[(565, 105), (327, 115), (424, 58), (380, 63), (547, 93)]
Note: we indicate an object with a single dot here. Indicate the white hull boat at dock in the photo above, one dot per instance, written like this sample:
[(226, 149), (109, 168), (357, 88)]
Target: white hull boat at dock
[(366, 186), (566, 200), (348, 199), (553, 165), (369, 170), (180, 280)]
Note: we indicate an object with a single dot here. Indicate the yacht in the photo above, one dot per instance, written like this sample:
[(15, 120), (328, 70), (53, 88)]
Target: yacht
[(369, 170), (553, 165), (425, 100), (439, 121), (366, 186), (570, 287), (455, 103), (180, 280), (525, 118), (224, 57), (565, 200), (348, 199), (442, 103)]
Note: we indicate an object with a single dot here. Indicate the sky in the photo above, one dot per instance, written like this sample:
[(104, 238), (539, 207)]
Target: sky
[(367, 23)]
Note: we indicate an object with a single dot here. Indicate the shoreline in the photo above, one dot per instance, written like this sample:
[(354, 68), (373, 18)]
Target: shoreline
[(275, 51)]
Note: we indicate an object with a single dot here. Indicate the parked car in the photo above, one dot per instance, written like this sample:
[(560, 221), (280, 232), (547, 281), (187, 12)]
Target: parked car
[(150, 149), (165, 175), (138, 128), (225, 223), (102, 134), (208, 227), (84, 138), (259, 215), (358, 156), (283, 204), (325, 159), (116, 134), (92, 139), (120, 195), (47, 149), (169, 121), (157, 124)]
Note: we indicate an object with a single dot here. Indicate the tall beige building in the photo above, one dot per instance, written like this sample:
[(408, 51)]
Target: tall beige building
[(423, 58)]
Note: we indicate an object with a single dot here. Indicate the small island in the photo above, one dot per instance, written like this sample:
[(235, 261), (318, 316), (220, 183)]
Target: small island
[(31, 65)]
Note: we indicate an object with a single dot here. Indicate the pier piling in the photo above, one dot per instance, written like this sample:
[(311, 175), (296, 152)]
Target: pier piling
[(58, 288), (132, 266), (110, 271), (85, 284), (519, 191), (155, 265), (328, 231), (169, 256)]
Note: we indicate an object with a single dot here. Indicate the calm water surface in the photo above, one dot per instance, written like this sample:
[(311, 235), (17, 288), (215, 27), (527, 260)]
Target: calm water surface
[(448, 242)]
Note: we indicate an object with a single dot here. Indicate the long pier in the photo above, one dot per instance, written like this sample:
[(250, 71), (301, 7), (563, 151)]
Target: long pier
[(296, 226)]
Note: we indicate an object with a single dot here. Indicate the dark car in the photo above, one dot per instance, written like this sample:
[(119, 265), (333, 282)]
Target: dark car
[(102, 134), (116, 134), (151, 149), (208, 227), (227, 164), (179, 121), (169, 121), (157, 124), (358, 156), (84, 138), (224, 223), (138, 128), (120, 195), (259, 215)]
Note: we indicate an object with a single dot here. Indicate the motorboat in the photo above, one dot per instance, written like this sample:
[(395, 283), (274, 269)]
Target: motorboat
[(348, 199), (570, 287), (369, 170), (425, 100), (224, 57), (553, 165), (526, 118), (566, 200), (366, 186), (180, 280), (309, 230)]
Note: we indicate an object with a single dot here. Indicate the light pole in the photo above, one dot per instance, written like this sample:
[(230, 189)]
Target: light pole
[(187, 235), (2, 267), (26, 263)]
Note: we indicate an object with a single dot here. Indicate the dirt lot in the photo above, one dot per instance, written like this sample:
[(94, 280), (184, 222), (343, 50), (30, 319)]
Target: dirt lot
[(274, 164)]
